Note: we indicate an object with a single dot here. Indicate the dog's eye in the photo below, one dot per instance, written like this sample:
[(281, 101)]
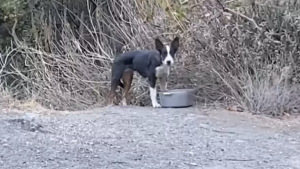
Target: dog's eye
[(165, 52)]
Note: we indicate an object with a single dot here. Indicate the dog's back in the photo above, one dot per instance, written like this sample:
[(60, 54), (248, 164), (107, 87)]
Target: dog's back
[(138, 60)]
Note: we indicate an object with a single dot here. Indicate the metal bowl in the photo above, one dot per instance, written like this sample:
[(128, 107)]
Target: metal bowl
[(176, 98)]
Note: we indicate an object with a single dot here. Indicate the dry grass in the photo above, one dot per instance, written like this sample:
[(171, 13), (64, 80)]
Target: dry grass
[(239, 52)]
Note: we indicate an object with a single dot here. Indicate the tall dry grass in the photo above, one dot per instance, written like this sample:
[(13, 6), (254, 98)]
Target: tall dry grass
[(253, 49), (242, 52)]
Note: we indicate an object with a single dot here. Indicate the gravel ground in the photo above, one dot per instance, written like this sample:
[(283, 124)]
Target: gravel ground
[(141, 138)]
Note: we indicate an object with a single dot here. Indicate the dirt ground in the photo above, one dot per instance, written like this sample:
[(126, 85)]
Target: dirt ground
[(141, 138)]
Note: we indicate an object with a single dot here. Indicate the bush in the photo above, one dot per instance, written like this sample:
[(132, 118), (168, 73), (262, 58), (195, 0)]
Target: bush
[(243, 52), (254, 52)]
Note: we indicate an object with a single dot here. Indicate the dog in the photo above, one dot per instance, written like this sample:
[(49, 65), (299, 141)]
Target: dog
[(150, 64)]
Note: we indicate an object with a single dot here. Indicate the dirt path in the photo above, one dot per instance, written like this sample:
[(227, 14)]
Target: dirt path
[(134, 137)]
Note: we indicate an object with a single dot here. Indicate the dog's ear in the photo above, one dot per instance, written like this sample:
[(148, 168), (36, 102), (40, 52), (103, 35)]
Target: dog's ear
[(159, 45), (175, 44)]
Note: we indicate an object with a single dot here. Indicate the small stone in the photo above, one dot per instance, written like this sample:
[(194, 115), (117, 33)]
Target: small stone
[(29, 116), (192, 164), (239, 141), (235, 108)]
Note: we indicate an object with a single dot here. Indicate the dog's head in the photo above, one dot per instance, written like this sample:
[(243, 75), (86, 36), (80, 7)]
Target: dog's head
[(167, 53)]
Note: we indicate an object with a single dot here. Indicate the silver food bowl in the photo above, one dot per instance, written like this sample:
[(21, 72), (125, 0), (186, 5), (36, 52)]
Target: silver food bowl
[(176, 98)]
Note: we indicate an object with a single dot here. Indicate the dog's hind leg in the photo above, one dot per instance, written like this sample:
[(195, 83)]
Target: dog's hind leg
[(112, 92), (117, 72), (127, 80)]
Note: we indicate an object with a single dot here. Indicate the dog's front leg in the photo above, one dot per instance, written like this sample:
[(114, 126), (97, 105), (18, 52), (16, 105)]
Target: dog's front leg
[(153, 92)]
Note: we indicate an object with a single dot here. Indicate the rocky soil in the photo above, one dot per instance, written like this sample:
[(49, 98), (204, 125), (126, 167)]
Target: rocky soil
[(143, 138)]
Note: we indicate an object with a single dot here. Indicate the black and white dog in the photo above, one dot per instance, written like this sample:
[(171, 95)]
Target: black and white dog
[(150, 64)]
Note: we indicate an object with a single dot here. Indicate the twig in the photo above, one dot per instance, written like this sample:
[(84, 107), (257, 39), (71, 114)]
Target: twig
[(234, 159), (239, 14), (231, 159), (217, 131), (244, 17)]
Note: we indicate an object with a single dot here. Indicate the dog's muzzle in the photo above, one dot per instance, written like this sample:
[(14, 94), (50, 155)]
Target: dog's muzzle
[(168, 63)]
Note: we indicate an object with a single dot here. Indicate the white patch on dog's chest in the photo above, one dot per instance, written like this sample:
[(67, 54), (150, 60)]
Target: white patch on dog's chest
[(162, 71)]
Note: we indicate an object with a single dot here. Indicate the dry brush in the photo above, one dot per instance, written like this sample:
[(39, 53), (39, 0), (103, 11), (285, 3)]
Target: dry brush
[(242, 52)]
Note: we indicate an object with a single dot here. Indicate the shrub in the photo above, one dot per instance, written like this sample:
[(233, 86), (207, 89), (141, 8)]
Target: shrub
[(244, 52), (254, 52)]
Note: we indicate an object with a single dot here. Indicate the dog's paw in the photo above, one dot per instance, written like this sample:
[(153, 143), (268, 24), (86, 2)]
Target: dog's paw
[(109, 105), (156, 105), (124, 103)]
